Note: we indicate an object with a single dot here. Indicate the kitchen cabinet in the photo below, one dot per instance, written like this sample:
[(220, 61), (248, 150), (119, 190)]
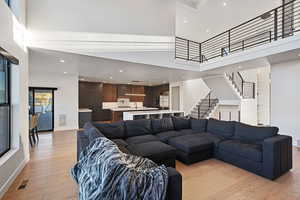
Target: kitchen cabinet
[(152, 98), (109, 93), (91, 97)]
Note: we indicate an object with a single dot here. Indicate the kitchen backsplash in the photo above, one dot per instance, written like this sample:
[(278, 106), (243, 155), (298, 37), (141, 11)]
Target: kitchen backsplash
[(108, 105)]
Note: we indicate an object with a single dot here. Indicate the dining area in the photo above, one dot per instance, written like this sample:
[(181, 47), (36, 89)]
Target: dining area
[(33, 129)]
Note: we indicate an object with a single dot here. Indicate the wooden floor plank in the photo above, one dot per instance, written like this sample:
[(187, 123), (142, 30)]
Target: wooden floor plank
[(48, 175)]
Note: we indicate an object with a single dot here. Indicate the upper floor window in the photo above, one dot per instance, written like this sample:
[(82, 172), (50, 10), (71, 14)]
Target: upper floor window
[(5, 114)]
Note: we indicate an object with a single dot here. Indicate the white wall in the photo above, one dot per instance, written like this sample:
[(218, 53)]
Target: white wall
[(220, 88), (12, 39), (150, 17), (212, 18), (249, 112), (263, 95), (285, 98), (65, 97), (191, 93)]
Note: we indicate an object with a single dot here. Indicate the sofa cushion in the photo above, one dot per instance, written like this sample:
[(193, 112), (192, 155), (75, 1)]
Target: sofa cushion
[(191, 143), (138, 127), (199, 125), (162, 125), (165, 136), (256, 134), (142, 139), (221, 128), (155, 151), (181, 123), (187, 131), (246, 150), (120, 142), (214, 138), (112, 131), (93, 133), (87, 125)]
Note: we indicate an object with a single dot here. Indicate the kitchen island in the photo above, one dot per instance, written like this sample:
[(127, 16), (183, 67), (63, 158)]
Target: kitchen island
[(118, 113), (158, 114)]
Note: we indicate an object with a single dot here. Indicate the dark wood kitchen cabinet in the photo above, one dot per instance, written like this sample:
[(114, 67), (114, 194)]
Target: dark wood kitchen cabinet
[(91, 97), (109, 93)]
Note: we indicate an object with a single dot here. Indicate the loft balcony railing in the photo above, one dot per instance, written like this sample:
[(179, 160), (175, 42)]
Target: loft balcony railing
[(279, 23)]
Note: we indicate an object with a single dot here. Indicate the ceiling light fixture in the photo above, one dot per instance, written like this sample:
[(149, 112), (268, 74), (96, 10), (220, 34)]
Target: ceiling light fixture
[(111, 77), (224, 4), (121, 71), (65, 72), (185, 21), (62, 60)]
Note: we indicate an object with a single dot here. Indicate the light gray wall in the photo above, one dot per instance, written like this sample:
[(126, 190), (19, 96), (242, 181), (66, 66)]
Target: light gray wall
[(221, 88), (9, 32), (149, 17), (285, 98)]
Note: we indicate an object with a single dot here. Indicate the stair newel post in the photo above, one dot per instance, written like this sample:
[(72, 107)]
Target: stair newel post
[(242, 87), (188, 50), (209, 99), (275, 24)]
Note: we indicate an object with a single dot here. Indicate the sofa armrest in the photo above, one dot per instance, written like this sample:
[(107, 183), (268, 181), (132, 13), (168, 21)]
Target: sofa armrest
[(277, 156), (174, 190), (82, 142)]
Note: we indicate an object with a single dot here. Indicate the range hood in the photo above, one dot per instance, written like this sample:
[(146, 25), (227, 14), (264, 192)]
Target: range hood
[(135, 95)]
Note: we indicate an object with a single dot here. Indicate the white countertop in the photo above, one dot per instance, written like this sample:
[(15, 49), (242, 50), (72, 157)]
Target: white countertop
[(84, 110), (154, 112), (142, 109)]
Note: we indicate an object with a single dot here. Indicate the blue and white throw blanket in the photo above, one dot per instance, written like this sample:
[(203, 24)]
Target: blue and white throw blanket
[(105, 173)]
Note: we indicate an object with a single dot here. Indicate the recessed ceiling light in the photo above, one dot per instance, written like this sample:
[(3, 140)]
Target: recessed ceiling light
[(240, 67), (224, 3), (121, 71), (65, 72), (111, 77), (62, 60), (185, 21), (207, 30)]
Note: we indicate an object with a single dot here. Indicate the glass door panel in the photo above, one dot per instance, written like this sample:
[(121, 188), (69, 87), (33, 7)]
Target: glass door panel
[(43, 106)]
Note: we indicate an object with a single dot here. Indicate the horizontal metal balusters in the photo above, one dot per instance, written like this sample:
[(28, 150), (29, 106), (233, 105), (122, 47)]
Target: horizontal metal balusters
[(278, 23)]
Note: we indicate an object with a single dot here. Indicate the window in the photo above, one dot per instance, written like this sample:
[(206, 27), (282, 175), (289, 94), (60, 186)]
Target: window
[(4, 106)]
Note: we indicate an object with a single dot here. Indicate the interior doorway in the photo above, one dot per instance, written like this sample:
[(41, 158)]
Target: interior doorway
[(175, 98), (41, 103)]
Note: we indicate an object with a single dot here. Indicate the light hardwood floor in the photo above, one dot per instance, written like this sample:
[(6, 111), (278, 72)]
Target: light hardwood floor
[(48, 175)]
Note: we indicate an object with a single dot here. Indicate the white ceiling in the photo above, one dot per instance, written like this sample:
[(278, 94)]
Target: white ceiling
[(104, 70), (216, 16)]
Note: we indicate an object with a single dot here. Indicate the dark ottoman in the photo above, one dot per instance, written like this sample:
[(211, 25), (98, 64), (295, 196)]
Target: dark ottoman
[(156, 151), (192, 148)]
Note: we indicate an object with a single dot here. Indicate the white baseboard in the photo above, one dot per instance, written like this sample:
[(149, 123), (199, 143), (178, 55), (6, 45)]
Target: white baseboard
[(11, 179)]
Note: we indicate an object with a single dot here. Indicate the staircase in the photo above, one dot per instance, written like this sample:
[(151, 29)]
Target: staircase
[(245, 89), (204, 108)]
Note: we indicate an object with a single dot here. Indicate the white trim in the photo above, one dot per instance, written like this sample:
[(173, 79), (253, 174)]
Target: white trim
[(7, 156), (11, 179)]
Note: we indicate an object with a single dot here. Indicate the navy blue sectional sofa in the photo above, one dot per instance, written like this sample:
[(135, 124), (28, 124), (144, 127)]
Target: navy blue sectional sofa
[(260, 150)]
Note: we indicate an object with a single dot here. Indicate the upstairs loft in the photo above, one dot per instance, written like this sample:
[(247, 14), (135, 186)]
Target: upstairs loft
[(263, 32)]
